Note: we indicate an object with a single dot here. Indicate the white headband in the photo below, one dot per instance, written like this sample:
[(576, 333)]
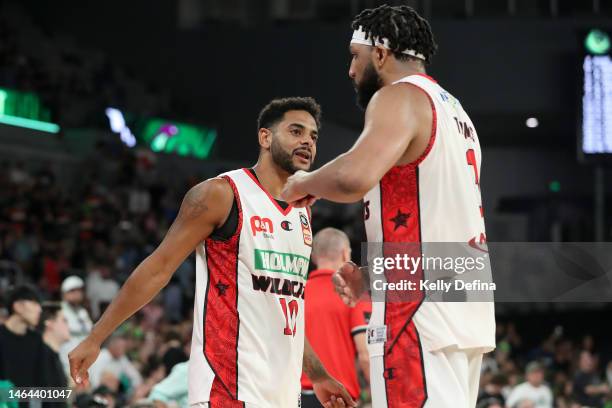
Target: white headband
[(359, 37)]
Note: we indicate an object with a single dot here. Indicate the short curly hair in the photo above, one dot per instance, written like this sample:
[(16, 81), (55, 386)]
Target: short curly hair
[(274, 111), (402, 26)]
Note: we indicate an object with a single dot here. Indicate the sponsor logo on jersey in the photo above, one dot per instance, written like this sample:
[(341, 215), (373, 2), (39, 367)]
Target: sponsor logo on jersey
[(278, 286), (306, 232), (262, 225), (286, 225), (280, 262)]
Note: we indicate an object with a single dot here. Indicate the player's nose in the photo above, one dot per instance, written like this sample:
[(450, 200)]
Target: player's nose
[(352, 72)]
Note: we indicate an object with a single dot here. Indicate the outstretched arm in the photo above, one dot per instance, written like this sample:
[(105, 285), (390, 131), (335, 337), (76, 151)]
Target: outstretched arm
[(395, 116), (204, 207)]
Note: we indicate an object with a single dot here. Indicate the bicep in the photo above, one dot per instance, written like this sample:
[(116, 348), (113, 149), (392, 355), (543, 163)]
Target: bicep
[(394, 118), (203, 209)]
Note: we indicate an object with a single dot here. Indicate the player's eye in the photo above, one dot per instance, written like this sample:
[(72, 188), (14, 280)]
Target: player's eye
[(296, 132)]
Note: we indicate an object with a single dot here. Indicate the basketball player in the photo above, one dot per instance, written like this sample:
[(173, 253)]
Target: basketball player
[(417, 166), (252, 254)]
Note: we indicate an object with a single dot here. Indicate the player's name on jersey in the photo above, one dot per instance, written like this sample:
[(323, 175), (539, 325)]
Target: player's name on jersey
[(437, 285)]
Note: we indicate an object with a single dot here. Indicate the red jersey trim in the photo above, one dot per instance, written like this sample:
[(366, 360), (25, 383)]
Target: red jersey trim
[(434, 128), (426, 76), (285, 211), (221, 318)]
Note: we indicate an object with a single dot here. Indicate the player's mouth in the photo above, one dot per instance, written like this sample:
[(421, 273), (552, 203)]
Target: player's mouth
[(303, 155)]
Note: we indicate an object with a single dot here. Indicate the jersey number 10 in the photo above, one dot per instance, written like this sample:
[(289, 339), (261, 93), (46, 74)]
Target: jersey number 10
[(290, 311)]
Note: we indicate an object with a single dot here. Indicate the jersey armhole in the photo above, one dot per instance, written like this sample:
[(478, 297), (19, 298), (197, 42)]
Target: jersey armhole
[(434, 128), (219, 233)]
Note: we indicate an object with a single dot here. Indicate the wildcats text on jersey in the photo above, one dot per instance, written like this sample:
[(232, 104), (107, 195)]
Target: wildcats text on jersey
[(278, 286)]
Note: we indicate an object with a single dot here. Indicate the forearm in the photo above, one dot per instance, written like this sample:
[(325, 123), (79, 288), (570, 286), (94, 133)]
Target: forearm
[(364, 364), (335, 182), (143, 284), (311, 365)]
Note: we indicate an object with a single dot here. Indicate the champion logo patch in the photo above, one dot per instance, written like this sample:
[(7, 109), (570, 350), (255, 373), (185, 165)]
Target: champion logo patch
[(286, 225)]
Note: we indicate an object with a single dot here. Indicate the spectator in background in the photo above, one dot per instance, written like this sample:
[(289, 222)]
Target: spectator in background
[(76, 315), (173, 351), (153, 372), (55, 334), (172, 389), (101, 288), (589, 389), (493, 389), (489, 403), (112, 360), (533, 390), (336, 332), (21, 348), (525, 404)]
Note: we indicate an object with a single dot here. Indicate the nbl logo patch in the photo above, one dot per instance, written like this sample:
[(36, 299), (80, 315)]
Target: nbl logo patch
[(306, 232)]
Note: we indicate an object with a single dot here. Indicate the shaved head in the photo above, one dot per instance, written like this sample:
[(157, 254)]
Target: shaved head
[(330, 246)]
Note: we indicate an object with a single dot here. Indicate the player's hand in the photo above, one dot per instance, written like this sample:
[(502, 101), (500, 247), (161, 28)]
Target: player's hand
[(293, 194), (81, 358), (332, 394), (348, 283)]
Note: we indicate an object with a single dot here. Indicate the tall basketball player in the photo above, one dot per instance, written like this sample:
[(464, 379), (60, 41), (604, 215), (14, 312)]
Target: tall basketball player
[(417, 166), (252, 254)]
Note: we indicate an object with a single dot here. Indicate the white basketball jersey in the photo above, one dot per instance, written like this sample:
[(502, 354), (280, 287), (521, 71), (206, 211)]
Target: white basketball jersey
[(248, 332), (435, 199)]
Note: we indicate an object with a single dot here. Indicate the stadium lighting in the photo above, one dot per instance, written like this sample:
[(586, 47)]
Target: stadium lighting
[(532, 123), (597, 42), (117, 124), (29, 123)]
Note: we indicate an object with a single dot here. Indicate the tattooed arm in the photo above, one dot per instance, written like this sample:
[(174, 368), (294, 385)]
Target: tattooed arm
[(311, 365), (329, 392), (205, 207)]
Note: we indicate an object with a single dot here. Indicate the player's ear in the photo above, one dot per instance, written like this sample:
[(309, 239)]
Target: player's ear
[(265, 138), (346, 254), (380, 56)]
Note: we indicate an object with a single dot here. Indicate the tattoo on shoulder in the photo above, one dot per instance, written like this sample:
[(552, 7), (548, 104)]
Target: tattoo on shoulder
[(194, 203)]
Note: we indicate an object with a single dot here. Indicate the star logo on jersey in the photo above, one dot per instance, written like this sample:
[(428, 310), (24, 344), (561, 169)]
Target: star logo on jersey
[(222, 288), (400, 219)]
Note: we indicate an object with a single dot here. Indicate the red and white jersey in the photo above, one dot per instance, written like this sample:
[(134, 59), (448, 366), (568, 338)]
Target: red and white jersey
[(248, 332), (434, 199)]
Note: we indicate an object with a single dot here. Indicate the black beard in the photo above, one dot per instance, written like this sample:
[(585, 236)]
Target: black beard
[(369, 85), (281, 158)]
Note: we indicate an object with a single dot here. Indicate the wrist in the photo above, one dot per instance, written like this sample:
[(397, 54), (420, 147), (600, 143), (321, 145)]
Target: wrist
[(305, 179), (96, 338)]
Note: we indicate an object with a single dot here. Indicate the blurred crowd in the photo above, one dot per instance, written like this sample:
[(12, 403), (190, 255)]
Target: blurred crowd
[(77, 244), (77, 83), (560, 372)]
